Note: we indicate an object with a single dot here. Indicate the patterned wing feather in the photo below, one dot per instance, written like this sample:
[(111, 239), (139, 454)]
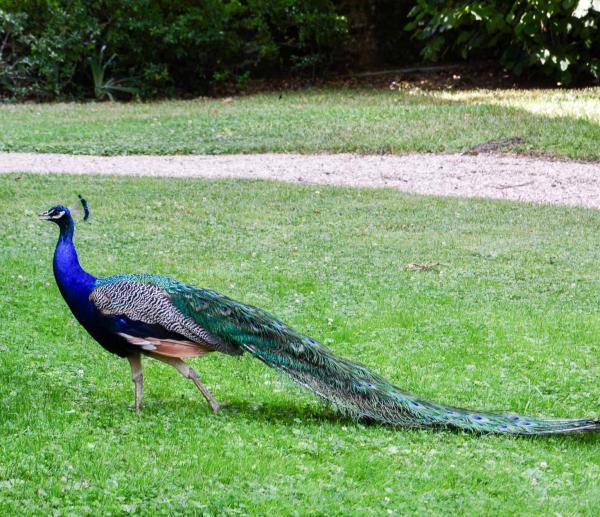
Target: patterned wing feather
[(151, 304)]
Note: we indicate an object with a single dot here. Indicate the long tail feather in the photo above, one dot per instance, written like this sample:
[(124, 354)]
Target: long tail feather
[(358, 391)]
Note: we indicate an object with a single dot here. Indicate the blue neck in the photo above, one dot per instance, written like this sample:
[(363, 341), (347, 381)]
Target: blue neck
[(74, 283)]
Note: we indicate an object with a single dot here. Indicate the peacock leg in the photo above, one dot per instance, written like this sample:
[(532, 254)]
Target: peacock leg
[(189, 373), (135, 361)]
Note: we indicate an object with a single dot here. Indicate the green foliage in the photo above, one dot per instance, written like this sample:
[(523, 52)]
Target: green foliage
[(42, 48), (178, 47), (551, 37), (105, 87)]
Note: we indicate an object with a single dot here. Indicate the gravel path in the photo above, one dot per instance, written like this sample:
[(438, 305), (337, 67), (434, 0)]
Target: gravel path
[(499, 176)]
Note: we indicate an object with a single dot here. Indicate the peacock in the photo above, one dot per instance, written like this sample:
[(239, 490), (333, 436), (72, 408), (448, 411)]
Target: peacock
[(136, 315)]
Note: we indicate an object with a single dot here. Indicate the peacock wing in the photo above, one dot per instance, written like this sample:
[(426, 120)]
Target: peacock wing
[(143, 313)]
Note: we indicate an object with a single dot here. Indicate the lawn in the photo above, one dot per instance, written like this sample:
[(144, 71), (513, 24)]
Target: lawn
[(507, 321), (555, 122)]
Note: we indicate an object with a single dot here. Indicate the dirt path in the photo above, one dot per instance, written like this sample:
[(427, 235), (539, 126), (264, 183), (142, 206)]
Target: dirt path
[(499, 176)]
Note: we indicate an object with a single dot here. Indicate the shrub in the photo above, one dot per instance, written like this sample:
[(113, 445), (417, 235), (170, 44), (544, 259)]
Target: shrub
[(164, 47), (557, 38), (42, 48)]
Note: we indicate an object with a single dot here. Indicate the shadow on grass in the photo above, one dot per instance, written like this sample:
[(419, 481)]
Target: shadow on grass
[(292, 415), (100, 411)]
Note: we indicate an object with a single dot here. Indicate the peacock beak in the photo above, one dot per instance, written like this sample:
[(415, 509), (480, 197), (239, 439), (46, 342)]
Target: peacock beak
[(44, 216)]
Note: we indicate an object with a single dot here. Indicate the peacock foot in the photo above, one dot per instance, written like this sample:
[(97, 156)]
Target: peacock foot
[(217, 406), (134, 407)]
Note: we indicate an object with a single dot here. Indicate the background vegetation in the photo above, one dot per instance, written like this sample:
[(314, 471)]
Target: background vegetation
[(161, 48), (560, 39), (74, 48)]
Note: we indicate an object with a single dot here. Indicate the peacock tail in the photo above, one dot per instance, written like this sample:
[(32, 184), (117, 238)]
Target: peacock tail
[(231, 327)]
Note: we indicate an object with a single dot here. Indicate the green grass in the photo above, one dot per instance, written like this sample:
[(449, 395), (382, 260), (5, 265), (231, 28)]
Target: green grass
[(509, 322), (556, 122)]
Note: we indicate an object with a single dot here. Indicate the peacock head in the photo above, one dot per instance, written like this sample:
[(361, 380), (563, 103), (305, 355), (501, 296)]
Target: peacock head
[(58, 214), (61, 215)]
